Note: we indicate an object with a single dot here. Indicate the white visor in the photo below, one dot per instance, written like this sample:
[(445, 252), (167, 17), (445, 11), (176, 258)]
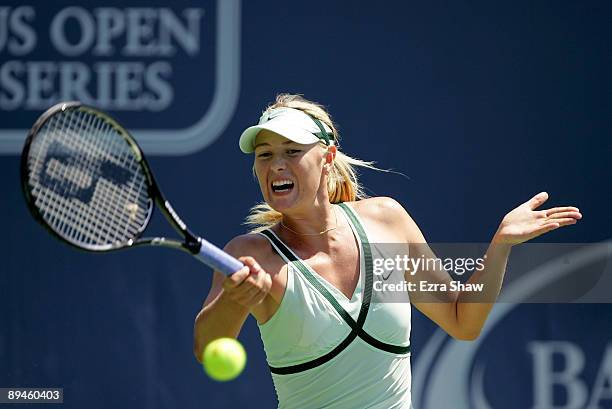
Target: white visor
[(291, 123)]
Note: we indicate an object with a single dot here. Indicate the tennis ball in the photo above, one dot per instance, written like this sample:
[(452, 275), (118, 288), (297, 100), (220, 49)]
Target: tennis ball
[(224, 359)]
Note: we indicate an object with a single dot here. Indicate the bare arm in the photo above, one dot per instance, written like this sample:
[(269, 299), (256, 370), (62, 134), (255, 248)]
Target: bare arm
[(471, 316), (518, 226), (456, 312), (219, 317), (230, 299)]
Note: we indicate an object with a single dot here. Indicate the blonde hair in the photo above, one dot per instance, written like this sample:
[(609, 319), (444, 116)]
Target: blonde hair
[(342, 182)]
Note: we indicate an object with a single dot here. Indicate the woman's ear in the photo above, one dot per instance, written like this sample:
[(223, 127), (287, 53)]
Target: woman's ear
[(331, 154)]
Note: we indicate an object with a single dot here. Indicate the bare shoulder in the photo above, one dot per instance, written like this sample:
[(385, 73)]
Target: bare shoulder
[(250, 244), (381, 209), (388, 212)]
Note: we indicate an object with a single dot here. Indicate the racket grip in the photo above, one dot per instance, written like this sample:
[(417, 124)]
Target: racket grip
[(217, 259)]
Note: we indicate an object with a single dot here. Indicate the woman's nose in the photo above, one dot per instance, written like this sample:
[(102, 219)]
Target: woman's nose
[(279, 164)]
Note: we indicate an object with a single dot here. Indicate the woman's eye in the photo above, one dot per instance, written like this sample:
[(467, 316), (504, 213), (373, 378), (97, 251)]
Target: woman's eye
[(264, 155), (293, 151)]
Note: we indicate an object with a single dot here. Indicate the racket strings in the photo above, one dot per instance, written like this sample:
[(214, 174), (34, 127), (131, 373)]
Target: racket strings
[(86, 180), (57, 212), (104, 227)]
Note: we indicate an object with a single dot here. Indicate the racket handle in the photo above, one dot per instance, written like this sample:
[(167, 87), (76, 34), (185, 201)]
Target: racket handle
[(217, 259)]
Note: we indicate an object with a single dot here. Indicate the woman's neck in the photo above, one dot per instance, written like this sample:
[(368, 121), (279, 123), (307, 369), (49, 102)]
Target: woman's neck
[(316, 221)]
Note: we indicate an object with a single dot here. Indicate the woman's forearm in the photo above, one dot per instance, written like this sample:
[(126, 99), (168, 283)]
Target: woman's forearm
[(473, 309), (221, 318), (518, 226)]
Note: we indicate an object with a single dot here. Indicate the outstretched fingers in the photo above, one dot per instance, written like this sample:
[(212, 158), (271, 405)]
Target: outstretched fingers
[(566, 211), (564, 216)]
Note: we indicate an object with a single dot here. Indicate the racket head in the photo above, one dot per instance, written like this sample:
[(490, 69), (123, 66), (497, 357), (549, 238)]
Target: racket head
[(85, 179)]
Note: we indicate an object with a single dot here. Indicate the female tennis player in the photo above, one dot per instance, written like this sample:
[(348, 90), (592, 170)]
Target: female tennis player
[(308, 279)]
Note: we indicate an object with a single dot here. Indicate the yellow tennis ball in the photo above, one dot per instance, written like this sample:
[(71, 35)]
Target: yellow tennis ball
[(224, 359)]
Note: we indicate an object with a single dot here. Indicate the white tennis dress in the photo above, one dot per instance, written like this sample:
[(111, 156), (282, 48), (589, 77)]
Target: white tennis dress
[(326, 351)]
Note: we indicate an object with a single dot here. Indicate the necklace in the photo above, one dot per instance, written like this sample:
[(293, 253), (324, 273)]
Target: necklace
[(312, 234)]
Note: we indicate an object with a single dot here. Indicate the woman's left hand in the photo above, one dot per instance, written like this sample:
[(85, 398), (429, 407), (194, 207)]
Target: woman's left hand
[(524, 223)]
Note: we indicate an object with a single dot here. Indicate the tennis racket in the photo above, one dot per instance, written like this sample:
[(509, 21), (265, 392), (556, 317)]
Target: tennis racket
[(87, 182)]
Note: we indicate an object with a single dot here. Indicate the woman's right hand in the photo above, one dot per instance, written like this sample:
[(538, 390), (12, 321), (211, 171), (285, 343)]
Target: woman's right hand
[(248, 286)]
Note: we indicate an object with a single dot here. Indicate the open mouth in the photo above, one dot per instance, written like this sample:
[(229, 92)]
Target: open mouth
[(282, 186)]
